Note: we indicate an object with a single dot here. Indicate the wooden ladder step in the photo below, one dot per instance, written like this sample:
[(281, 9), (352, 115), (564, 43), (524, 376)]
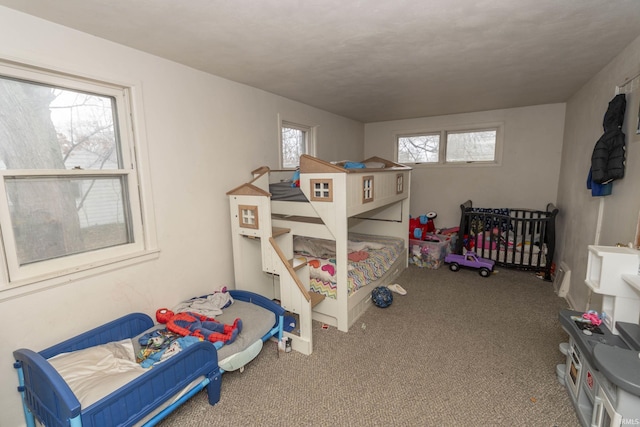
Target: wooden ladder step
[(316, 298), (297, 263), (279, 231)]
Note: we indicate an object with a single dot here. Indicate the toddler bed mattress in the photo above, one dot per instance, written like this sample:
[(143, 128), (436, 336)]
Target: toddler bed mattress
[(257, 323), (370, 257)]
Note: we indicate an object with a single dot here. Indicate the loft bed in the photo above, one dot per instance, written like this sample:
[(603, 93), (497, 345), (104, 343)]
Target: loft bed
[(94, 379), (334, 203)]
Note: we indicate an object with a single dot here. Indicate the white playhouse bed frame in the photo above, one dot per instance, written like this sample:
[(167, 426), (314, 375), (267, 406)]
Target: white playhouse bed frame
[(369, 201)]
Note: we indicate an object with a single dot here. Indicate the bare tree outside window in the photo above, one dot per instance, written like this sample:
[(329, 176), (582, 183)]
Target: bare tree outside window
[(45, 132), (419, 148), (460, 146), (294, 144)]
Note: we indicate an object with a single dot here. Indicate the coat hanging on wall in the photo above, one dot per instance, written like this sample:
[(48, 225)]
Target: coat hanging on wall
[(608, 158)]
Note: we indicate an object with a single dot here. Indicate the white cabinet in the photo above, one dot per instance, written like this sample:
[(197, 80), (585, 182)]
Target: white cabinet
[(607, 268)]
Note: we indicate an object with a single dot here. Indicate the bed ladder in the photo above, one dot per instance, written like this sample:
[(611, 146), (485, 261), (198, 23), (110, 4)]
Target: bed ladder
[(295, 295), (264, 263)]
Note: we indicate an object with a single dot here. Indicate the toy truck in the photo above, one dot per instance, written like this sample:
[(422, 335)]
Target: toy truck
[(471, 260)]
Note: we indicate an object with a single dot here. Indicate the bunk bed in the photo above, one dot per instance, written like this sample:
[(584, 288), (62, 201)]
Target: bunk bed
[(93, 378), (334, 202)]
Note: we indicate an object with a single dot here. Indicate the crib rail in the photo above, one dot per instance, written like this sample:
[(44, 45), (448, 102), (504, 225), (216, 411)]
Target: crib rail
[(518, 238)]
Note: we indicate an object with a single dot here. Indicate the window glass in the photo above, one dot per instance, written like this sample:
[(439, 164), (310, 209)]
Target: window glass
[(294, 143), (450, 146), (296, 140), (53, 128), (419, 148), (65, 203), (475, 146), (55, 217)]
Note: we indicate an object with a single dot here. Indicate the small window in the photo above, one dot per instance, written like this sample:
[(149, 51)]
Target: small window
[(450, 146), (367, 189), (248, 216), (296, 140), (419, 148), (471, 146), (321, 190), (399, 183)]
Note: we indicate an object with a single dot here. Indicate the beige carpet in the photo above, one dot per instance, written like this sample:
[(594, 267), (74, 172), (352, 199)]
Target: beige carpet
[(457, 350)]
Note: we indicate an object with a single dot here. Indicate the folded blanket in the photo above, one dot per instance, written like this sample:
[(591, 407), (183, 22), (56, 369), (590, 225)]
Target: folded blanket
[(210, 306)]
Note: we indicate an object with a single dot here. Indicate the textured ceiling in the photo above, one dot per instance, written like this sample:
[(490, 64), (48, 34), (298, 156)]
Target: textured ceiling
[(373, 60)]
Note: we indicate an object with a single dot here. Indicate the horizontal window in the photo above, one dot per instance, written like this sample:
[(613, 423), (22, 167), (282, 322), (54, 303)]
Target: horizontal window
[(419, 148), (450, 147)]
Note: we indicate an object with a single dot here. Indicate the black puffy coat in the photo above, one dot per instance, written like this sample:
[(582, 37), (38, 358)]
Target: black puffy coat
[(607, 160)]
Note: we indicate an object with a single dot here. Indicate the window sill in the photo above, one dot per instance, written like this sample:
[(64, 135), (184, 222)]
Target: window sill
[(20, 288)]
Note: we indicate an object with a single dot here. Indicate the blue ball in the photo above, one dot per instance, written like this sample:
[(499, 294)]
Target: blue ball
[(382, 296)]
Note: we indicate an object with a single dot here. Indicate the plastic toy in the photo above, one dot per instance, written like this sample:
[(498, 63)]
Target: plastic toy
[(205, 328), (420, 226), (470, 260), (381, 297)]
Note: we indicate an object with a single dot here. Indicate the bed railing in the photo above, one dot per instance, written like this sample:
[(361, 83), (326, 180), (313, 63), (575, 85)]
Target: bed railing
[(520, 238), (296, 297)]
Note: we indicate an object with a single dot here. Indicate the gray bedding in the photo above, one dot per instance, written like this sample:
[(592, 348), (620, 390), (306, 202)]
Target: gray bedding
[(256, 322), (284, 191)]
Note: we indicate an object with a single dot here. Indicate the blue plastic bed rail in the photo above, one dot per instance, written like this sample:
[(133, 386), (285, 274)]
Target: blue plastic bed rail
[(264, 302), (48, 399)]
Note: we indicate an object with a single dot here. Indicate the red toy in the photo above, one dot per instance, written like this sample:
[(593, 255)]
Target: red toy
[(420, 226), (193, 324)]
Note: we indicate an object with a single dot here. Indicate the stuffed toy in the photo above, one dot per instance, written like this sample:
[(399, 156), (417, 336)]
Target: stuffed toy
[(295, 180), (206, 328)]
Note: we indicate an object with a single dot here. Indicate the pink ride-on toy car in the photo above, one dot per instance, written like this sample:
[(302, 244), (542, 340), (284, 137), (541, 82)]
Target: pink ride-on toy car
[(471, 260)]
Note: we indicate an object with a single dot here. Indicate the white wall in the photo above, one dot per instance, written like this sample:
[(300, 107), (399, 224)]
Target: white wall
[(578, 217), (527, 177), (204, 134)]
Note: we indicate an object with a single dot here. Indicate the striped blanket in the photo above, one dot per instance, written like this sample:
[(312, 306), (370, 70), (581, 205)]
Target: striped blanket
[(382, 252)]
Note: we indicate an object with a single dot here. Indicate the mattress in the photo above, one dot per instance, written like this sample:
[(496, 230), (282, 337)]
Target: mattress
[(95, 372), (285, 192), (519, 258), (382, 252)]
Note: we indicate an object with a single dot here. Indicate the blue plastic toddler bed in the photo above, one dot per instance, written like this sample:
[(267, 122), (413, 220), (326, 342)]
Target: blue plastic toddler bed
[(134, 395)]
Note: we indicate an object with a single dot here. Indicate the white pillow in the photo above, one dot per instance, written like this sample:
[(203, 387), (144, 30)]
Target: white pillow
[(95, 372)]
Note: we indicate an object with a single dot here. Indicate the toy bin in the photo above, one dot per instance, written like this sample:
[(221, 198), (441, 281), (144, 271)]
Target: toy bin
[(429, 253)]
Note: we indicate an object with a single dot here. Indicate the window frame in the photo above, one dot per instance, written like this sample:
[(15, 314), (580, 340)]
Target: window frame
[(309, 143), (442, 148), (135, 179)]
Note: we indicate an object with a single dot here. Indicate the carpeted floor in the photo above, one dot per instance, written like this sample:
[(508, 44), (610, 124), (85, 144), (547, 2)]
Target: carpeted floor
[(457, 350)]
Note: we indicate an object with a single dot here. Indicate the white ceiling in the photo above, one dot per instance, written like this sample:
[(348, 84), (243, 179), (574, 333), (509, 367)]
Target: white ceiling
[(373, 60)]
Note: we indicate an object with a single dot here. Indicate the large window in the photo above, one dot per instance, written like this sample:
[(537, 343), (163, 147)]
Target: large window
[(296, 140), (450, 146), (69, 196)]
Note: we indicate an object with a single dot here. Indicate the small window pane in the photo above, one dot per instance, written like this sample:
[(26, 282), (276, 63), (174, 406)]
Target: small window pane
[(477, 146), (419, 148), (47, 127), (293, 146), (54, 217)]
